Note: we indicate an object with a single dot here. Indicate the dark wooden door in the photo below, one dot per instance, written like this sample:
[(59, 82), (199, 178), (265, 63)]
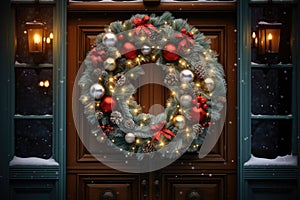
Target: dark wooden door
[(212, 177)]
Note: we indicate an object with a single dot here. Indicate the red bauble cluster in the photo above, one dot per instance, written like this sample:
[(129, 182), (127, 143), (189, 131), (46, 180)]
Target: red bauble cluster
[(199, 111), (97, 56), (170, 52), (129, 50), (108, 104), (107, 129)]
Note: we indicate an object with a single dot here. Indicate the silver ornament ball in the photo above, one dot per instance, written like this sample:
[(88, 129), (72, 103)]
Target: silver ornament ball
[(110, 64), (209, 84), (97, 91), (109, 39), (186, 100), (186, 75), (146, 50), (129, 138)]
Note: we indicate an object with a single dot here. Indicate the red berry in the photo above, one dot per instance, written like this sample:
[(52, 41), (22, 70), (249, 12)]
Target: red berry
[(205, 106)]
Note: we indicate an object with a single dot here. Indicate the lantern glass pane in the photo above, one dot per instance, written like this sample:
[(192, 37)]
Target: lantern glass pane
[(35, 39)]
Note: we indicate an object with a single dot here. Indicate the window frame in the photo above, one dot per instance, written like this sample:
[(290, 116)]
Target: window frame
[(249, 175)]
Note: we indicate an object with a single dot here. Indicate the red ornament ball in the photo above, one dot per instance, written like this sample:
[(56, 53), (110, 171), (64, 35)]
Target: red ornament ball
[(121, 37), (170, 52), (108, 104), (197, 114), (129, 50)]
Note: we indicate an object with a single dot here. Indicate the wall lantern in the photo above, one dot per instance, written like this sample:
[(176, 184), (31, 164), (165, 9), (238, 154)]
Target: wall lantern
[(268, 41), (36, 36)]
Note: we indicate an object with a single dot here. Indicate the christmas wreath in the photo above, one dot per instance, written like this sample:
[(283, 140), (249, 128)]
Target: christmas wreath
[(191, 73)]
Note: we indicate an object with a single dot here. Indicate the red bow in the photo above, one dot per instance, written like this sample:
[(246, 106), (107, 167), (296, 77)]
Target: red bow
[(159, 129), (143, 24), (187, 39)]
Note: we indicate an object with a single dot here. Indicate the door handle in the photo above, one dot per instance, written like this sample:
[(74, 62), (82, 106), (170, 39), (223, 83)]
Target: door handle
[(156, 188), (144, 187)]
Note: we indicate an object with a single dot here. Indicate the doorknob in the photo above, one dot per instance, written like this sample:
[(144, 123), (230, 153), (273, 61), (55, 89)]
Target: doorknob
[(108, 195), (194, 195)]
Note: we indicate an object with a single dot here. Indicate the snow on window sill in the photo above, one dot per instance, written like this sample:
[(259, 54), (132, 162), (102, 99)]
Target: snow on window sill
[(288, 160), (32, 161)]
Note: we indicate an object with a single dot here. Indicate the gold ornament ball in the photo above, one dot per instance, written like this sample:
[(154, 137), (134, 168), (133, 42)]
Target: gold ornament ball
[(209, 84), (110, 64), (179, 121), (182, 63)]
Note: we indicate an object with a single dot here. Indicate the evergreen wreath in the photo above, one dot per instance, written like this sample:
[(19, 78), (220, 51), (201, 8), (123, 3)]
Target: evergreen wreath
[(191, 72)]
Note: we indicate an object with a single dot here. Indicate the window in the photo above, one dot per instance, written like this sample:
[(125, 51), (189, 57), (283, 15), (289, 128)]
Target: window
[(33, 74)]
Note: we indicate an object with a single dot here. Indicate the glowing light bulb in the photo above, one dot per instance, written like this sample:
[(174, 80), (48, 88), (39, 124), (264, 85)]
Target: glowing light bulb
[(51, 36), (47, 83)]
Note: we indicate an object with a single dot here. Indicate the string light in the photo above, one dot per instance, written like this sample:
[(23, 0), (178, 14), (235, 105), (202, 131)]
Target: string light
[(137, 141)]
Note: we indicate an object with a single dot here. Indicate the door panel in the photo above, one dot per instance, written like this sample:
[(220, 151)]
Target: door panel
[(212, 177)]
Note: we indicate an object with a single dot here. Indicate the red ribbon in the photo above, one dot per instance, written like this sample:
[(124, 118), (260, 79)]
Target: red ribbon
[(187, 39), (159, 129), (143, 24)]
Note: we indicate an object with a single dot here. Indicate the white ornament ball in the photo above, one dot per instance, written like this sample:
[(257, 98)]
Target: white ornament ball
[(97, 91), (129, 138), (110, 64), (209, 84), (146, 50), (186, 100), (109, 39), (186, 75)]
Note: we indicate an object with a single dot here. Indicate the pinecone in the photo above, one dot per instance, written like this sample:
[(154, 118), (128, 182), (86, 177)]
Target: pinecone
[(200, 69), (171, 79), (198, 129), (129, 124), (116, 117), (99, 115), (97, 72), (148, 147), (121, 81), (155, 37)]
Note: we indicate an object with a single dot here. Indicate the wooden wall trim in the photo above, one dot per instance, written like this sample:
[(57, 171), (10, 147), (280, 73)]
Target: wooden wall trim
[(138, 6)]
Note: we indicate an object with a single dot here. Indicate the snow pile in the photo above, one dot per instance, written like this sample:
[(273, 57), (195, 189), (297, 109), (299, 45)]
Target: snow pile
[(32, 161), (289, 160)]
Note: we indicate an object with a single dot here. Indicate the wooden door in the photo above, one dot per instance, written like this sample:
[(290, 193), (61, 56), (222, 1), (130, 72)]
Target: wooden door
[(213, 177)]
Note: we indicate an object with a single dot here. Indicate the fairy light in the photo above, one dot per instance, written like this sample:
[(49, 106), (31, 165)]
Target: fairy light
[(177, 151), (137, 141), (161, 144), (148, 142), (123, 90), (197, 84), (135, 110), (142, 38), (129, 34), (144, 118), (91, 107), (133, 148), (173, 93), (169, 104), (131, 75), (141, 124), (111, 79)]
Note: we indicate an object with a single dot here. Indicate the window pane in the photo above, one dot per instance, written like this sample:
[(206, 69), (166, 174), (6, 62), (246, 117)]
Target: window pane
[(34, 94), (271, 138), (266, 20), (271, 91), (33, 138)]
